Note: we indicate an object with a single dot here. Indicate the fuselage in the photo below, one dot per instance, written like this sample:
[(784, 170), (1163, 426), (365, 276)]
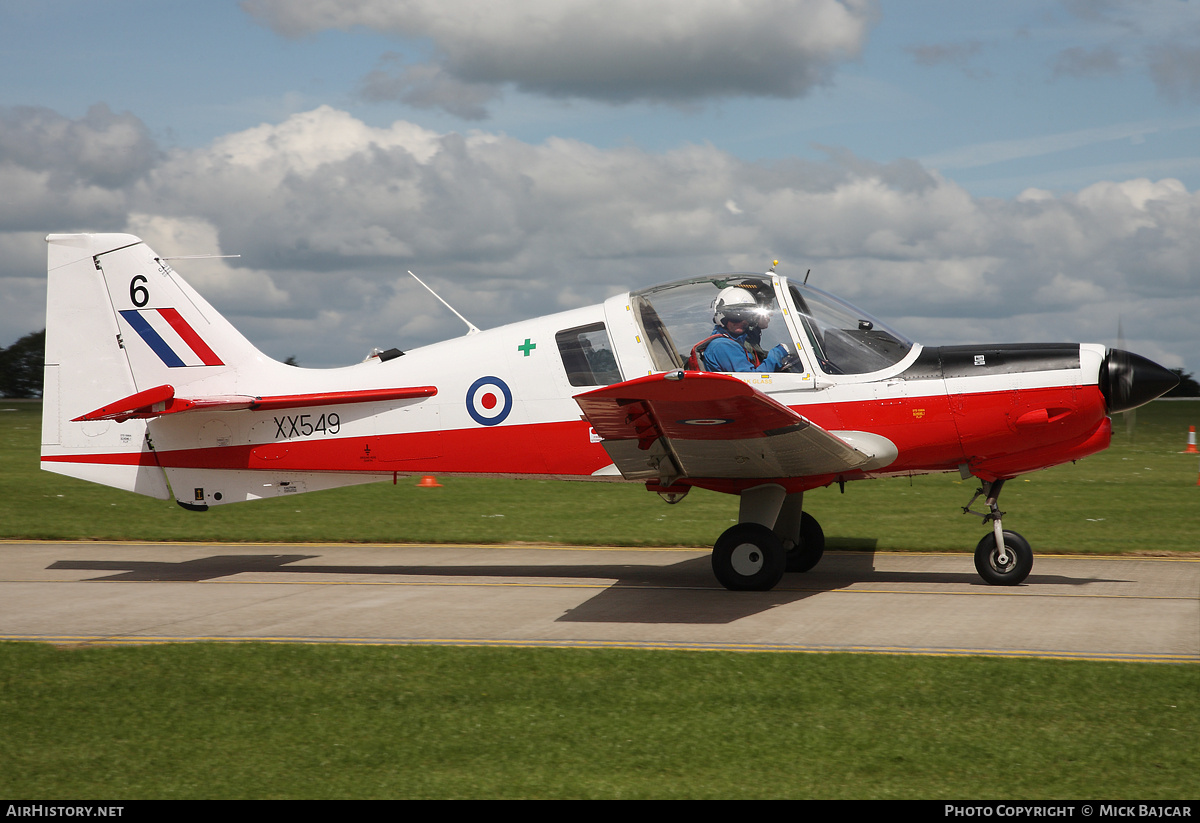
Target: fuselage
[(502, 402), (504, 406)]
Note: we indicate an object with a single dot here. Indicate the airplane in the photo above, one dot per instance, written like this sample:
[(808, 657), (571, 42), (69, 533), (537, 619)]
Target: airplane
[(149, 389)]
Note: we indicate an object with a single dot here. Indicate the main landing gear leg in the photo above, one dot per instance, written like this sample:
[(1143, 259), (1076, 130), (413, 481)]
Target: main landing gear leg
[(750, 556), (1002, 558), (773, 535), (801, 534)]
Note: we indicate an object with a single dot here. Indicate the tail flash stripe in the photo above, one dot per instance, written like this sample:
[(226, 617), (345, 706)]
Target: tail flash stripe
[(153, 340), (207, 356), (174, 340)]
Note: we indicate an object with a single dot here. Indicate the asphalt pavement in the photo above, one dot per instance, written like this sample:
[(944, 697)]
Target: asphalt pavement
[(1080, 607)]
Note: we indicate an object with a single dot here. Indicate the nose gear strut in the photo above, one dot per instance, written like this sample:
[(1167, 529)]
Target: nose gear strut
[(994, 515)]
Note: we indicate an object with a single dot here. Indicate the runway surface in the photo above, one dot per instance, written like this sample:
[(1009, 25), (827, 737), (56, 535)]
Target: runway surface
[(1138, 609)]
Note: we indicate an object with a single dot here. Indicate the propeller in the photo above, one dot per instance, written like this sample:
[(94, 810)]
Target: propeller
[(1128, 380)]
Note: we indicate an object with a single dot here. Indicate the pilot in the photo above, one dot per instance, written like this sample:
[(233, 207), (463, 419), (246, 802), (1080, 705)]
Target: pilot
[(738, 321)]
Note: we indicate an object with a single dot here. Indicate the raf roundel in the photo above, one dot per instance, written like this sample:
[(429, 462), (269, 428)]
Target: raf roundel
[(489, 401)]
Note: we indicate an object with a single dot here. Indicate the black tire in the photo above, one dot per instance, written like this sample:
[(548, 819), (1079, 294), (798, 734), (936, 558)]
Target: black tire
[(810, 545), (1014, 572), (749, 557)]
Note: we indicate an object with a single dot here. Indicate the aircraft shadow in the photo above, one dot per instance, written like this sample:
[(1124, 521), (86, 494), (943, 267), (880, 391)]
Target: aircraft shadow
[(683, 592), (637, 593), (632, 604), (203, 568)]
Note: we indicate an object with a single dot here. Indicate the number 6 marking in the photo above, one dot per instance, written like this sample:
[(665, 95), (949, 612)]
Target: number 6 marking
[(139, 294)]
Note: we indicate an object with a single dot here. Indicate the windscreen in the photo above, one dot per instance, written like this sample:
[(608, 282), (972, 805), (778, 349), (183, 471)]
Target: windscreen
[(845, 339)]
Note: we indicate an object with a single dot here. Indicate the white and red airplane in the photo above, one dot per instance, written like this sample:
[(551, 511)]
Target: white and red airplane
[(149, 389)]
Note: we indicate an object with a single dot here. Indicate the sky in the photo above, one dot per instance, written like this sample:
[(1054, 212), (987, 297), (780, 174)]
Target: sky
[(1025, 171)]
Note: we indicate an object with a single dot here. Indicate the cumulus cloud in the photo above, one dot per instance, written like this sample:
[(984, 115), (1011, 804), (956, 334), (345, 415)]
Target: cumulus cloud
[(1157, 35), (1175, 68), (1081, 62), (101, 148), (427, 86), (620, 51), (958, 55), (253, 291), (59, 171), (328, 212)]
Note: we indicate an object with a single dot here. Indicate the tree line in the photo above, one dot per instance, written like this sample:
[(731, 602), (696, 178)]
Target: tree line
[(21, 366)]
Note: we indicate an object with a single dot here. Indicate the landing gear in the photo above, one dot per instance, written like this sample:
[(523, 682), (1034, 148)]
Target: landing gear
[(810, 545), (749, 557), (1003, 558), (773, 535), (1004, 568)]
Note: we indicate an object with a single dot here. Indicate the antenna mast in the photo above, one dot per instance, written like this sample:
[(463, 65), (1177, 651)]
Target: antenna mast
[(471, 327)]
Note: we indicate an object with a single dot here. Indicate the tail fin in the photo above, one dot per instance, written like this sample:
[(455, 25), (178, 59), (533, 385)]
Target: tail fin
[(119, 321)]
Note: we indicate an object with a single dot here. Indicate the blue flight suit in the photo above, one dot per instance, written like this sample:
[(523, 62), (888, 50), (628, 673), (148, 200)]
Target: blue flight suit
[(727, 353)]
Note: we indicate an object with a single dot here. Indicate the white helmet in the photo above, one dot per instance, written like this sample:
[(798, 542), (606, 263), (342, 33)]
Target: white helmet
[(736, 303)]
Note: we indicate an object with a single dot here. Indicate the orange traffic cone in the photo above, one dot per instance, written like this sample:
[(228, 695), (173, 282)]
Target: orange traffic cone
[(1191, 447), (429, 482)]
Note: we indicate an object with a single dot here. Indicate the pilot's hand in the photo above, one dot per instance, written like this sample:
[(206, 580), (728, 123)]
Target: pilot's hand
[(777, 356), (788, 362)]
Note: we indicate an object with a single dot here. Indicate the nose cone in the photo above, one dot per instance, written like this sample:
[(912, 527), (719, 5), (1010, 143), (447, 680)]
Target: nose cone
[(1128, 380)]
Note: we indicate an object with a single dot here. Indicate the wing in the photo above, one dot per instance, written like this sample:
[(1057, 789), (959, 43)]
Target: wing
[(699, 424), (162, 400)]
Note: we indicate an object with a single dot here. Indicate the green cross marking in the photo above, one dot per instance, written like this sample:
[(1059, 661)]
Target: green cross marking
[(526, 347)]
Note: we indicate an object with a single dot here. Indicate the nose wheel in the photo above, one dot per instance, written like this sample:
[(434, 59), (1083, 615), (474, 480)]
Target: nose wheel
[(1003, 558), (1004, 568)]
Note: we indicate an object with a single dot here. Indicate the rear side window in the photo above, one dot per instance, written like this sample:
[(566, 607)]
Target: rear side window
[(587, 356)]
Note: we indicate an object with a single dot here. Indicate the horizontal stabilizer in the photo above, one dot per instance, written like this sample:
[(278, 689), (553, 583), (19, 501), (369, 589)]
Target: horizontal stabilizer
[(161, 400)]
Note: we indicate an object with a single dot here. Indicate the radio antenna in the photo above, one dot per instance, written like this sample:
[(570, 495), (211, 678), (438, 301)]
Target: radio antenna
[(198, 257), (471, 327)]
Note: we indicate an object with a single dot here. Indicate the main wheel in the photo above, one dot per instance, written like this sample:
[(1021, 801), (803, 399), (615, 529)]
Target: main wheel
[(749, 557), (1017, 563), (810, 545)]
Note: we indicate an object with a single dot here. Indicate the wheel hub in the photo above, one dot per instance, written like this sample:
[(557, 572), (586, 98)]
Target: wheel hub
[(746, 559), (1003, 561)]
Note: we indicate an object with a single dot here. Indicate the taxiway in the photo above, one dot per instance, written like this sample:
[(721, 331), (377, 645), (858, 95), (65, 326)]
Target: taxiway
[(1112, 608)]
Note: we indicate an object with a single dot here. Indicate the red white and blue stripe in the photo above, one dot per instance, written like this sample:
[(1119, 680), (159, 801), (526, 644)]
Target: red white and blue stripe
[(171, 337)]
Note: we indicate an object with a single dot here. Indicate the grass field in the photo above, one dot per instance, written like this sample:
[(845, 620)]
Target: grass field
[(294, 721), (1139, 496), (262, 721)]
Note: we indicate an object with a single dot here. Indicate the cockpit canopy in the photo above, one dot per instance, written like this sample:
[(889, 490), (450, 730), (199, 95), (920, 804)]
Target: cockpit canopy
[(834, 337)]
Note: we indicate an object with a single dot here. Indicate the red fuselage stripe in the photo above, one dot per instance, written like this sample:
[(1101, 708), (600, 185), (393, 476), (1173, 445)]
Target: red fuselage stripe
[(988, 430)]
